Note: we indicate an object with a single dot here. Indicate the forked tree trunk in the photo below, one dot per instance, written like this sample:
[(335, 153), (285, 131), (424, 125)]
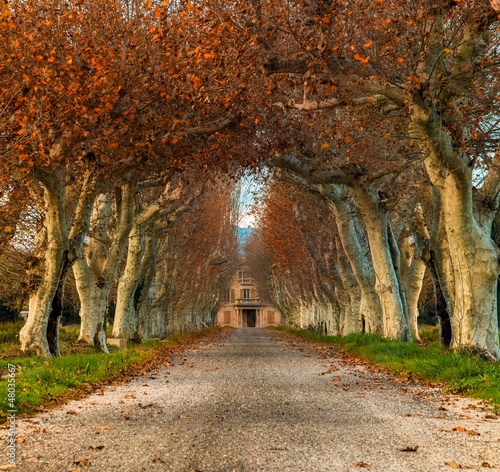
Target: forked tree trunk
[(387, 285), (79, 205), (96, 271)]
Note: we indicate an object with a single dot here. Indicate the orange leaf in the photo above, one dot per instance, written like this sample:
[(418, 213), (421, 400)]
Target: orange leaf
[(196, 81), (113, 145), (359, 58)]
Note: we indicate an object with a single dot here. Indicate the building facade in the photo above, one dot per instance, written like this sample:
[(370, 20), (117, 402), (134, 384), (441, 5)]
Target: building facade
[(241, 305)]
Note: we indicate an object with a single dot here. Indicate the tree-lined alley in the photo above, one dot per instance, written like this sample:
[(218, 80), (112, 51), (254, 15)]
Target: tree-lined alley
[(125, 125)]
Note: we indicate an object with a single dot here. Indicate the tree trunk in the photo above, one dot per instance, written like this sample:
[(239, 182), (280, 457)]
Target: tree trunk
[(125, 322), (348, 294), (33, 335), (412, 272), (362, 267), (93, 308), (440, 305), (57, 309), (475, 272), (387, 285)]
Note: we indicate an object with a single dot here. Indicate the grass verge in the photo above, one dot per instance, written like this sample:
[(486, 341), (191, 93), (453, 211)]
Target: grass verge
[(456, 371), (42, 383)]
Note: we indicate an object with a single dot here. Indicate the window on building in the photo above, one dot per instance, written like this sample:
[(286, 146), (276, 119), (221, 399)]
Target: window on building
[(246, 293), (244, 277), (270, 317), (227, 295), (227, 317)]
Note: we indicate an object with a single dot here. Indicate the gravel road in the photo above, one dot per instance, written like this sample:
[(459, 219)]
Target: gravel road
[(258, 402)]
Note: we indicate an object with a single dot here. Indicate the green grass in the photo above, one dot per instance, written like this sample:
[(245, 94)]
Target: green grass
[(42, 382), (457, 371)]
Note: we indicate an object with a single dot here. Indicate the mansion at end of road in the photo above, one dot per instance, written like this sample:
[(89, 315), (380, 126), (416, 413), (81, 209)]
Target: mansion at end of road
[(242, 307)]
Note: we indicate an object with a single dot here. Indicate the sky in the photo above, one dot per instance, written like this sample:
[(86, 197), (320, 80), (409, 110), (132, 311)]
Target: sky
[(250, 189)]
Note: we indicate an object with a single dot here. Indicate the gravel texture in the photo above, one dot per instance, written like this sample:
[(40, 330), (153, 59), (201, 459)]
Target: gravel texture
[(260, 402)]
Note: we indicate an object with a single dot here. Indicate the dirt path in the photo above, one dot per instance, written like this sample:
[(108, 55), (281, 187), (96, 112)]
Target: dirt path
[(252, 403)]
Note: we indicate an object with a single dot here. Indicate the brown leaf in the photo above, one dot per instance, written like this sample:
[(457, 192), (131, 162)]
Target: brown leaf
[(409, 449), (96, 447), (470, 432), (157, 459), (362, 464), (149, 405), (454, 465), (486, 465), (71, 412), (81, 462), (20, 440)]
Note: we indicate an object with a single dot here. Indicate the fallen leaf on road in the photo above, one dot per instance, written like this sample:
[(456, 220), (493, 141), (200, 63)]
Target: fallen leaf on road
[(470, 432), (278, 448), (130, 395), (362, 464), (335, 379), (156, 459), (81, 462), (409, 449), (213, 370), (454, 465), (8, 466), (486, 465), (20, 440), (71, 412), (96, 447), (102, 428)]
